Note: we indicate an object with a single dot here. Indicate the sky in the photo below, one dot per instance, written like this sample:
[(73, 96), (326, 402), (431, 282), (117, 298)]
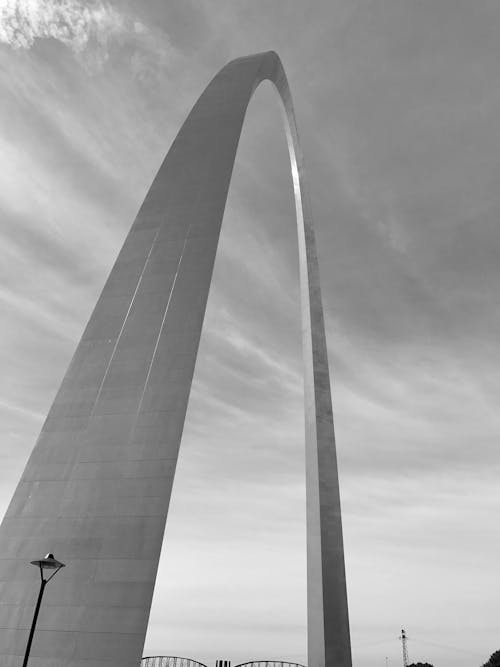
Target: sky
[(398, 108)]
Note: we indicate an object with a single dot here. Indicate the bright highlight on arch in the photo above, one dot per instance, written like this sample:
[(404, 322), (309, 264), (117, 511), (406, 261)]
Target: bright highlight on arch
[(97, 486)]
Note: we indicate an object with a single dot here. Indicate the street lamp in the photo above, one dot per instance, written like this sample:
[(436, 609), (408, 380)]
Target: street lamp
[(47, 563)]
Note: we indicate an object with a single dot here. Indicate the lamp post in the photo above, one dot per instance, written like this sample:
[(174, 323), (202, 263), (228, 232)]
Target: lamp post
[(47, 563)]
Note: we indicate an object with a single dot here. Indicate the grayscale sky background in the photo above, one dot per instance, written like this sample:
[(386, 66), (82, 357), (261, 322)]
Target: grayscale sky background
[(398, 105)]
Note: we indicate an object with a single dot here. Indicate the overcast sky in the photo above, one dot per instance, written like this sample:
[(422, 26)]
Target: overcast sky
[(398, 106)]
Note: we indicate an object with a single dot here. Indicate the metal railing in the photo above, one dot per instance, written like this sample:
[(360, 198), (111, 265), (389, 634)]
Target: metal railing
[(269, 663), (169, 661), (175, 661)]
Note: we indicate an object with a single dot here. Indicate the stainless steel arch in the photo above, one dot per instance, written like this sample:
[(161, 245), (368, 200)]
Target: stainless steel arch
[(97, 486)]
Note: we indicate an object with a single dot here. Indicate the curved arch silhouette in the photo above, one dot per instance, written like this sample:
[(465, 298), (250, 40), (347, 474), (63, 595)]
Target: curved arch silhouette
[(97, 486)]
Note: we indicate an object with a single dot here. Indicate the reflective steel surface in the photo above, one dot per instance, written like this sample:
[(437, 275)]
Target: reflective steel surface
[(96, 488)]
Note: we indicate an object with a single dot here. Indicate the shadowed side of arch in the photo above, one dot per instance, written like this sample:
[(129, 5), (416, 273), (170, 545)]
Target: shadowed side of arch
[(97, 486)]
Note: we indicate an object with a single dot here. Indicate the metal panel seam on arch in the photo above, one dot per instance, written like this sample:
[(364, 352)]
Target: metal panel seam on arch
[(97, 486)]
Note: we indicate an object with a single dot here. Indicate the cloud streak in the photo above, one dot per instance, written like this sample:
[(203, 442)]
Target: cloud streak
[(399, 122), (92, 30), (76, 24)]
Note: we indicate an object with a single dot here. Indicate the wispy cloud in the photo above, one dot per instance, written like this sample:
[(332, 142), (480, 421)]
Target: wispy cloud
[(399, 120), (88, 29), (19, 409), (76, 24)]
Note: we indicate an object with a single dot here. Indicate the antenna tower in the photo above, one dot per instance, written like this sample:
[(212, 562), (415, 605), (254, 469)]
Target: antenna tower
[(404, 640)]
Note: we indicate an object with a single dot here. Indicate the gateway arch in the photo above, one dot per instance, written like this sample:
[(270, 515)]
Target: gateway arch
[(96, 488)]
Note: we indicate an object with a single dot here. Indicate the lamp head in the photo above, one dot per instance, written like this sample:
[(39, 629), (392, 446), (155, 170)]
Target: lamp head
[(48, 563)]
